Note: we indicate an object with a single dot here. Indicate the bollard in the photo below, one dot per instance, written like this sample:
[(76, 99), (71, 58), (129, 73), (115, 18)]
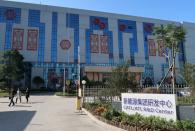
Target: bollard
[(78, 106)]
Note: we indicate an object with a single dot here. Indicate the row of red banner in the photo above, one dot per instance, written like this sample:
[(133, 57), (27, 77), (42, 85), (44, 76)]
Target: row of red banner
[(152, 47), (18, 38), (96, 41)]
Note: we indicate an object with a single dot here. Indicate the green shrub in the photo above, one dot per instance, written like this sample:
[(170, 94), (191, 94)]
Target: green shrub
[(116, 119), (107, 115), (152, 122), (186, 125), (87, 106), (115, 113), (93, 106), (100, 110), (112, 113), (125, 119)]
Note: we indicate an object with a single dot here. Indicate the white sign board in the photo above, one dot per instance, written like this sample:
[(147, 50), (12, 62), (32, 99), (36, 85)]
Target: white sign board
[(162, 105)]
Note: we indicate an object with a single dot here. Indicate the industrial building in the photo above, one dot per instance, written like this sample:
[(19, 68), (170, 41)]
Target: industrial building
[(56, 39)]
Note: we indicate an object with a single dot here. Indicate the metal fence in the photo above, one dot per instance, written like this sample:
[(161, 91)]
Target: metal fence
[(180, 90), (183, 93), (97, 93)]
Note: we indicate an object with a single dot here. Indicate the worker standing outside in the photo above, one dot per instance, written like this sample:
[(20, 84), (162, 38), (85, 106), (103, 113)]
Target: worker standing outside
[(18, 96), (79, 96)]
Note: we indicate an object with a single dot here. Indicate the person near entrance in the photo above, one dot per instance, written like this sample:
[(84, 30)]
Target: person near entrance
[(18, 96), (12, 94), (27, 95)]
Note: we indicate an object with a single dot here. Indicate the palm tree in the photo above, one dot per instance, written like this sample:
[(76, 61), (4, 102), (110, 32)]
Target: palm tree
[(172, 35)]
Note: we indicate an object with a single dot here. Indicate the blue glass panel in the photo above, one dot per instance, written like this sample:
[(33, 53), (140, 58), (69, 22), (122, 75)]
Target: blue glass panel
[(54, 37), (127, 26), (34, 21), (72, 21), (99, 23), (9, 15)]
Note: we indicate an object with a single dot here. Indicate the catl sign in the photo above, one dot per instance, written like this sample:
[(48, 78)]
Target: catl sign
[(65, 44)]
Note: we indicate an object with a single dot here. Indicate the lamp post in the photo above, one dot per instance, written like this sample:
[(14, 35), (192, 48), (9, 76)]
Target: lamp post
[(64, 82), (83, 83), (64, 87)]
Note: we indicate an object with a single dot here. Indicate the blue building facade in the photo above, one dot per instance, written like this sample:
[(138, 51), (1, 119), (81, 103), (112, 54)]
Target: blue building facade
[(49, 37)]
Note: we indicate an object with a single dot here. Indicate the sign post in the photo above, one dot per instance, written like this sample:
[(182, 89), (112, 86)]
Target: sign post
[(79, 95), (64, 87), (160, 105)]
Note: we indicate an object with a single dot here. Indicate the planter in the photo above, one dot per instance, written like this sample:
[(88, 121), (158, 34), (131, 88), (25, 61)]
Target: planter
[(132, 126), (185, 112)]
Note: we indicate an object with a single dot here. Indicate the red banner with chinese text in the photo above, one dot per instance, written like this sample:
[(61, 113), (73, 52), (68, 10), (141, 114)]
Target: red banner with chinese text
[(104, 44), (94, 43), (17, 41), (152, 47), (32, 39), (161, 47)]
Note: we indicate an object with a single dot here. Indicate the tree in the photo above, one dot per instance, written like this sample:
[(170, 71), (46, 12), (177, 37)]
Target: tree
[(189, 75), (12, 67), (121, 80), (2, 82), (172, 35), (37, 80)]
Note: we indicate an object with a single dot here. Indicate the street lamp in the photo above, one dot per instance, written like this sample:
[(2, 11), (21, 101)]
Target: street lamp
[(83, 83), (64, 87)]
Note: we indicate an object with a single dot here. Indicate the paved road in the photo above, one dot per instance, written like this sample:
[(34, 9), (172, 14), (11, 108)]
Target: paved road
[(45, 113)]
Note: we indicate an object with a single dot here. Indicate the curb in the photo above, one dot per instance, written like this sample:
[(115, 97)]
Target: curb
[(66, 96), (113, 128)]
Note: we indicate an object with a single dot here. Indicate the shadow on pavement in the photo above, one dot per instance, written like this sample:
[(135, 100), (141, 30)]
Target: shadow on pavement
[(21, 106), (15, 120), (82, 114), (36, 102), (79, 113)]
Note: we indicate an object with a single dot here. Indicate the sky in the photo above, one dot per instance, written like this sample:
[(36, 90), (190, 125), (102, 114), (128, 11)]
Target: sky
[(175, 10)]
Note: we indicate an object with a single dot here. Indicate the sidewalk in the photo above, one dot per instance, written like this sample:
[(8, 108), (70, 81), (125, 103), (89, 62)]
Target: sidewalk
[(46, 113)]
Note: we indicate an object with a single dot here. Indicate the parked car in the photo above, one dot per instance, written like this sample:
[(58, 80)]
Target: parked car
[(186, 91)]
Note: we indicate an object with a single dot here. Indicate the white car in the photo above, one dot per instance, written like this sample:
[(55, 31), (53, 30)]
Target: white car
[(186, 91)]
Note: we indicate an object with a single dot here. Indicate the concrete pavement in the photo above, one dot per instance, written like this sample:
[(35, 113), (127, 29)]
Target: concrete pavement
[(45, 113)]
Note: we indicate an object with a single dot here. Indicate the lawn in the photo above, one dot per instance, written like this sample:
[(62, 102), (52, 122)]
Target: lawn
[(3, 93), (66, 94)]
